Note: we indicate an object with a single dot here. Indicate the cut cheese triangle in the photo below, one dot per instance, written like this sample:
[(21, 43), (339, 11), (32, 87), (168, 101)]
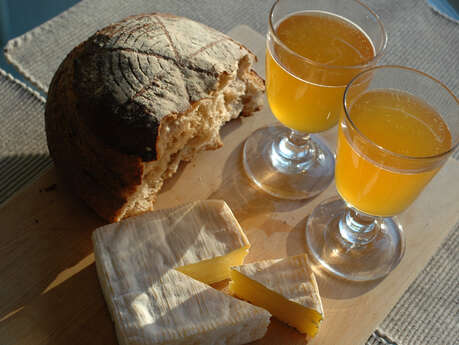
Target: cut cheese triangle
[(286, 287), (153, 303), (202, 239), (177, 309)]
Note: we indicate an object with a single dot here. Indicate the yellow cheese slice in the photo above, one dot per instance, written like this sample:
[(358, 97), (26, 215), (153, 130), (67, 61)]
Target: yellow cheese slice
[(153, 303), (286, 287), (217, 269)]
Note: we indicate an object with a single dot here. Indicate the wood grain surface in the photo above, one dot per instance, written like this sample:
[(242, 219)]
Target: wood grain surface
[(49, 292)]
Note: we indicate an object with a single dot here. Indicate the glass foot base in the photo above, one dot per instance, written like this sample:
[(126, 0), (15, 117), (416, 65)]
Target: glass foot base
[(279, 175), (365, 262)]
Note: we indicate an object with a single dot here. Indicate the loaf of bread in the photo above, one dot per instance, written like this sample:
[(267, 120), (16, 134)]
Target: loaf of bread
[(129, 104)]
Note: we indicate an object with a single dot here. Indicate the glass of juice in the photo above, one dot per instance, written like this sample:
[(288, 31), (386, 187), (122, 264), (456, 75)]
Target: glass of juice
[(314, 48), (397, 129)]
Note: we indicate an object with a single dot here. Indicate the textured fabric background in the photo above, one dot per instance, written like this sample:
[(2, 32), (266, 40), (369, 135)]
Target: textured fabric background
[(23, 150), (428, 312), (38, 53), (418, 37)]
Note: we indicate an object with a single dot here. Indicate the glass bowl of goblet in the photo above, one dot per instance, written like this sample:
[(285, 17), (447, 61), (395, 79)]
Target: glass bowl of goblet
[(314, 48), (398, 128)]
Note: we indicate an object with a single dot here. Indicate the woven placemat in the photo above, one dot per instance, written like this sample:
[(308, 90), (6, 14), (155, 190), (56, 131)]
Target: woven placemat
[(418, 36), (23, 150), (428, 312), (38, 53)]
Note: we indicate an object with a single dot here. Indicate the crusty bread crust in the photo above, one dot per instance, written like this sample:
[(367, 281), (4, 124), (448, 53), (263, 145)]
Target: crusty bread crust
[(116, 131), (100, 175)]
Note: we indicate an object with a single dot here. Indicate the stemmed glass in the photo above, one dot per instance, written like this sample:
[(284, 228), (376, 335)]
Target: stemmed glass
[(314, 48), (398, 128)]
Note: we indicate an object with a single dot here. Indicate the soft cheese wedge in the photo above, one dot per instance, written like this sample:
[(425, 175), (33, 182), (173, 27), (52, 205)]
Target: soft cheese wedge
[(176, 309), (201, 239), (153, 303), (286, 287)]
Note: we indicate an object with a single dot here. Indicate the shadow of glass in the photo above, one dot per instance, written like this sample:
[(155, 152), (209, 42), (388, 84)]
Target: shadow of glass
[(330, 286), (333, 287), (244, 198)]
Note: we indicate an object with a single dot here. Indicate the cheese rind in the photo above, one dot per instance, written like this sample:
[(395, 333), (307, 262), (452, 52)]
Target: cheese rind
[(150, 301), (285, 287), (171, 238), (192, 313)]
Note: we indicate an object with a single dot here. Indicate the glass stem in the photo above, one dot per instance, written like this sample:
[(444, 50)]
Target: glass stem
[(358, 228), (295, 147)]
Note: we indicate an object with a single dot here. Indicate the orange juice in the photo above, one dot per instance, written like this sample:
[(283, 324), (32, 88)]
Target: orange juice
[(305, 94), (380, 183)]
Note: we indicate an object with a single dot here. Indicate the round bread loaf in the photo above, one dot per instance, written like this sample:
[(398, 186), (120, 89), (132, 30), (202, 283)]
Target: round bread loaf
[(129, 104)]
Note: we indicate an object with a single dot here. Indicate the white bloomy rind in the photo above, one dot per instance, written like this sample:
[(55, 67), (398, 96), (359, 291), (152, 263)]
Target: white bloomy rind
[(152, 303), (290, 277)]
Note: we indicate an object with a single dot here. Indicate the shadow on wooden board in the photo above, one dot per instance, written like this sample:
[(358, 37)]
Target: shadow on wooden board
[(73, 312), (41, 244)]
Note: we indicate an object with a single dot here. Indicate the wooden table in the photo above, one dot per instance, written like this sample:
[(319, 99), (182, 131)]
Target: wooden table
[(49, 292)]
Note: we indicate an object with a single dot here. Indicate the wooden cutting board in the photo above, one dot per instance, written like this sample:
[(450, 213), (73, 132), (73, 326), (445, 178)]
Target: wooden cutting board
[(49, 292)]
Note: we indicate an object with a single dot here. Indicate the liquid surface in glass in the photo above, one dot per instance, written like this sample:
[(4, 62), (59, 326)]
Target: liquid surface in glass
[(400, 123), (303, 95)]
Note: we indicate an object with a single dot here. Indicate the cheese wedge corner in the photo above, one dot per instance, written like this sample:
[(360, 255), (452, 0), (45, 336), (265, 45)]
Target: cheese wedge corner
[(286, 287), (220, 243)]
